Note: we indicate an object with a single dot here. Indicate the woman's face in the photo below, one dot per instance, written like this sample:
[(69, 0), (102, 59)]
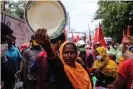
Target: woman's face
[(98, 56), (69, 54)]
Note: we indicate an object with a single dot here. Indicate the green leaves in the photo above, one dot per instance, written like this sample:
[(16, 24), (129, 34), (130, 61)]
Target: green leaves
[(115, 17), (15, 9)]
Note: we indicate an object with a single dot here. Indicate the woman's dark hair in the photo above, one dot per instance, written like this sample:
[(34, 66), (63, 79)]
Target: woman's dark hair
[(13, 37), (5, 31), (33, 37)]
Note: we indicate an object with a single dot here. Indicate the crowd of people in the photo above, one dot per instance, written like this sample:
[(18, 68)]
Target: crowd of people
[(59, 64)]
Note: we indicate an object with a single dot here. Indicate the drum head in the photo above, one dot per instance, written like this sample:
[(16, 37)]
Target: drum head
[(46, 14)]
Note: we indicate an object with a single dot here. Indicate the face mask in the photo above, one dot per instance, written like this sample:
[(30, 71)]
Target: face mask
[(99, 57), (115, 46), (3, 49), (34, 43), (82, 49)]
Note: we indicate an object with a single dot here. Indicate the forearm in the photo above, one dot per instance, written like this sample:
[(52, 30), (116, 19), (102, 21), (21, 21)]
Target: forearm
[(50, 52), (123, 49), (119, 83)]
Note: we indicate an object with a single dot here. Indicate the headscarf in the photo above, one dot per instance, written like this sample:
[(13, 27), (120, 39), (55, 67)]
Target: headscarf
[(103, 52), (111, 68), (117, 52), (127, 55), (78, 76)]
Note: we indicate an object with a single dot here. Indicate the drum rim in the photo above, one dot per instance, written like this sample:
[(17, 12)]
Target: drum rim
[(31, 29)]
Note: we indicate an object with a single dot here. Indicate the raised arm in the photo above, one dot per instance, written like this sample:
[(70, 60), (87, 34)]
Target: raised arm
[(43, 39)]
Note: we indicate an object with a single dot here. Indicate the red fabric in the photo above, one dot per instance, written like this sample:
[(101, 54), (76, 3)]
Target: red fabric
[(128, 31), (23, 46), (90, 39), (42, 71), (90, 69), (73, 39), (126, 71), (77, 38), (65, 34), (125, 39), (99, 37), (90, 36), (96, 35)]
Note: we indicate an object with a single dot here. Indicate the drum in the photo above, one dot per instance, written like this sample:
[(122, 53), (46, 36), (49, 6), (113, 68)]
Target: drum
[(46, 14)]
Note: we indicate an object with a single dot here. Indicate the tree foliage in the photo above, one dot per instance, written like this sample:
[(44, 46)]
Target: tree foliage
[(15, 9), (116, 16)]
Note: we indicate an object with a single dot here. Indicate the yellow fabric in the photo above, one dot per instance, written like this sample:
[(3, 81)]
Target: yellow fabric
[(125, 56), (35, 43), (111, 68), (128, 52), (78, 76), (122, 59)]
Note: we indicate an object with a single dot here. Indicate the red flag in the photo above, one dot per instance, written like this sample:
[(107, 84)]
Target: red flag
[(73, 40), (101, 36), (128, 30), (65, 34), (89, 36), (77, 38), (90, 39), (125, 39), (96, 35)]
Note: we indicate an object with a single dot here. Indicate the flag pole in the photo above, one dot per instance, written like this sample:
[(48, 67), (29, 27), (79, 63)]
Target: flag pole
[(89, 35), (128, 30), (3, 8)]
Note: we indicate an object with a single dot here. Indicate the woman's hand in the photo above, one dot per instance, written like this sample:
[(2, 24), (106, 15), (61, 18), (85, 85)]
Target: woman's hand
[(42, 38)]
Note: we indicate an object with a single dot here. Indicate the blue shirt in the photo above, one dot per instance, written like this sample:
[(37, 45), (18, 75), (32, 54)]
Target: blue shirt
[(15, 55)]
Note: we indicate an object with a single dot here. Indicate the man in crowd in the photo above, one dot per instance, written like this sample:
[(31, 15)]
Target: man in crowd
[(29, 56), (115, 51), (13, 52), (125, 75), (82, 49), (90, 58), (8, 68)]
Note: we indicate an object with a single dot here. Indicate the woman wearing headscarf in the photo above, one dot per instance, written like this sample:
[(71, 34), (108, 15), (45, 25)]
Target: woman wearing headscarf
[(105, 69), (125, 75), (114, 50), (127, 51), (68, 73)]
